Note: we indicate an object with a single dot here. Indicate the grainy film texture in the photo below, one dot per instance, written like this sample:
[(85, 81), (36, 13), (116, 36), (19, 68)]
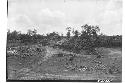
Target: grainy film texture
[(64, 40)]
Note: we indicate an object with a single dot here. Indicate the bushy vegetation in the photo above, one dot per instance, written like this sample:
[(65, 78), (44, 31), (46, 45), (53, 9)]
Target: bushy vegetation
[(88, 39)]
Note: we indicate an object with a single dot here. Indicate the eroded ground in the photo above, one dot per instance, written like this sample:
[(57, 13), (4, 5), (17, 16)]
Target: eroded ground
[(46, 63)]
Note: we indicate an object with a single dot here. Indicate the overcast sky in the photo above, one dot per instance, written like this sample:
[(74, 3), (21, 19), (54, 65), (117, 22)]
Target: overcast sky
[(55, 15)]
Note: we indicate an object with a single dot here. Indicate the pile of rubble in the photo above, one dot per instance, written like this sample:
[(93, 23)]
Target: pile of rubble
[(91, 65), (26, 50)]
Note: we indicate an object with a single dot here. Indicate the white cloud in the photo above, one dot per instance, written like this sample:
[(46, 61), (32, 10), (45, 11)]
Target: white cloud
[(20, 23), (49, 17), (50, 20), (48, 12), (56, 16), (110, 17)]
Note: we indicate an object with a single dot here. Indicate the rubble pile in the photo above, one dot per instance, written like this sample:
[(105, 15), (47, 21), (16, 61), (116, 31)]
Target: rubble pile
[(102, 65), (24, 51)]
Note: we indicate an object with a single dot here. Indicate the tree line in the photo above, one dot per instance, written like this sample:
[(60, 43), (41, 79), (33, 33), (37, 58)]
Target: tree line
[(87, 39)]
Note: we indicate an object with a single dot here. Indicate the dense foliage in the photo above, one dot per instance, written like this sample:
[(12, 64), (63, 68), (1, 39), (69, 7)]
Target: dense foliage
[(88, 39)]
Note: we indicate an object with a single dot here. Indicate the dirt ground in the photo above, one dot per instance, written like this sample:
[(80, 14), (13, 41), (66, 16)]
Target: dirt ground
[(47, 63)]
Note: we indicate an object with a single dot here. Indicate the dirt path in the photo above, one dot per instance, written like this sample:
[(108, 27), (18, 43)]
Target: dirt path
[(114, 53), (51, 52)]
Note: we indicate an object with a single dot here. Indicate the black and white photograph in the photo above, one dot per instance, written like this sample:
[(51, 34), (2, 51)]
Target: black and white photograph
[(64, 41)]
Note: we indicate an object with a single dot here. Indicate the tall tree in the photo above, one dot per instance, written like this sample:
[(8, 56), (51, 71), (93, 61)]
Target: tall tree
[(76, 33), (68, 33), (32, 32), (89, 36)]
